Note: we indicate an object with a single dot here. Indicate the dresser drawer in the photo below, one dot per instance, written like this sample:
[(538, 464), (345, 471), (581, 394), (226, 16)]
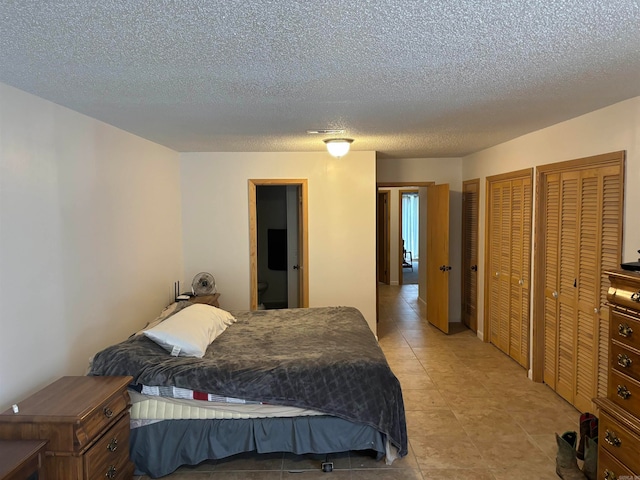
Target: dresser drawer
[(619, 441), (625, 360), (609, 468), (625, 392), (625, 328), (109, 456)]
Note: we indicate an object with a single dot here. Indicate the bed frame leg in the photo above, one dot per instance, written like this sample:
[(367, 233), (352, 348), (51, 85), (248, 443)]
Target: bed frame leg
[(327, 466)]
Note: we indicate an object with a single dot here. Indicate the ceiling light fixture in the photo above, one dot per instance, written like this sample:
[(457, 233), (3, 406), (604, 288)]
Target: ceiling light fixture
[(338, 147)]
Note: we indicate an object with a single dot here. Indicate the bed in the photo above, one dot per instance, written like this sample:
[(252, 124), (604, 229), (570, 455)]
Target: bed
[(319, 369)]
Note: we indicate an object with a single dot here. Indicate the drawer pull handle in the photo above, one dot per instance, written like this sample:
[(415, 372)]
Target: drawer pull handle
[(623, 392), (624, 361), (625, 330), (635, 297), (112, 472), (612, 439), (609, 475), (113, 445), (107, 412)]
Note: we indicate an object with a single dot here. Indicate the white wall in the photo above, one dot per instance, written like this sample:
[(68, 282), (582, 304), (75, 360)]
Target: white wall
[(610, 129), (342, 222), (90, 239), (437, 170)]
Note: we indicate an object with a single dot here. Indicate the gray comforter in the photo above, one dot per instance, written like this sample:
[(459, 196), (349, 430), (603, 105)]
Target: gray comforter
[(326, 359)]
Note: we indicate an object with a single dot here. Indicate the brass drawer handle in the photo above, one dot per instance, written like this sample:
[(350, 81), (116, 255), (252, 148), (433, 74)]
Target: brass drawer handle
[(625, 330), (112, 472), (107, 412), (635, 297), (623, 392), (624, 361), (113, 445), (609, 475), (612, 439)]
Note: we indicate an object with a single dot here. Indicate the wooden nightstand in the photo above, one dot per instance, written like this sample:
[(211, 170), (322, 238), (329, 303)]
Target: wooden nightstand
[(208, 299), (86, 423), (21, 459)]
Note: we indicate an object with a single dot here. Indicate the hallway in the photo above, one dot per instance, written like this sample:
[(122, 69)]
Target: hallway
[(471, 411)]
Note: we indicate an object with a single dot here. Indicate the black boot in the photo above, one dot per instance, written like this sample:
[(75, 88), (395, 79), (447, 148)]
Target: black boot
[(566, 462), (590, 467), (588, 428)]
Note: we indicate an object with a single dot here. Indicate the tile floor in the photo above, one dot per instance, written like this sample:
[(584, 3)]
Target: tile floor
[(472, 414)]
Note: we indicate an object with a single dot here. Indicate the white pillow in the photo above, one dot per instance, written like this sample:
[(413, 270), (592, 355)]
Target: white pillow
[(189, 332)]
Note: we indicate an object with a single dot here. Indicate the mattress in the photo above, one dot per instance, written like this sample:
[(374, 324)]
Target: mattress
[(147, 407)]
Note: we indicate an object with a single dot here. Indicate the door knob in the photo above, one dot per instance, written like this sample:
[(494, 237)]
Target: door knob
[(474, 268), (555, 294)]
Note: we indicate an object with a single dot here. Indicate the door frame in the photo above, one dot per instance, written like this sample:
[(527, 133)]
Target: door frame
[(380, 185), (303, 238)]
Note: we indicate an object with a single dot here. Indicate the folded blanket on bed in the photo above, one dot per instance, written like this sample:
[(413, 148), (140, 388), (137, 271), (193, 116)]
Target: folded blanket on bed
[(325, 359), (188, 394)]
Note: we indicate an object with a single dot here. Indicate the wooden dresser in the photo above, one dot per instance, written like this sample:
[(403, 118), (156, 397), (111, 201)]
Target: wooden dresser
[(86, 423), (619, 419), (20, 459)]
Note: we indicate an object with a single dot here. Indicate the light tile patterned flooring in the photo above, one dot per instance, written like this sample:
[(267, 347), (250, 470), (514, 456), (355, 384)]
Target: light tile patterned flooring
[(472, 414)]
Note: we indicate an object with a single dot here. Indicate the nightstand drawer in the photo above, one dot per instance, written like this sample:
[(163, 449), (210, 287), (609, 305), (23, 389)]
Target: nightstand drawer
[(102, 416), (110, 455), (619, 441)]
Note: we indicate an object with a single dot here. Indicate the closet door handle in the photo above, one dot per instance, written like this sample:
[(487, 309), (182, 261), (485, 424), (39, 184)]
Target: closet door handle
[(635, 297), (554, 294), (474, 268)]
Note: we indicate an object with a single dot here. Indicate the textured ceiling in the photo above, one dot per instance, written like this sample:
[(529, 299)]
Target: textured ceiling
[(405, 78)]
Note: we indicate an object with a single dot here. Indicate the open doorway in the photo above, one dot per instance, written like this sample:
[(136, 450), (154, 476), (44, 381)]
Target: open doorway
[(409, 220), (394, 245), (278, 243)]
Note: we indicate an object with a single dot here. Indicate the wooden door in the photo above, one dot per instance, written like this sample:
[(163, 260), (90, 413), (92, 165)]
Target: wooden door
[(438, 256), (508, 247), (470, 194), (580, 237), (383, 243), (294, 242), (519, 288)]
